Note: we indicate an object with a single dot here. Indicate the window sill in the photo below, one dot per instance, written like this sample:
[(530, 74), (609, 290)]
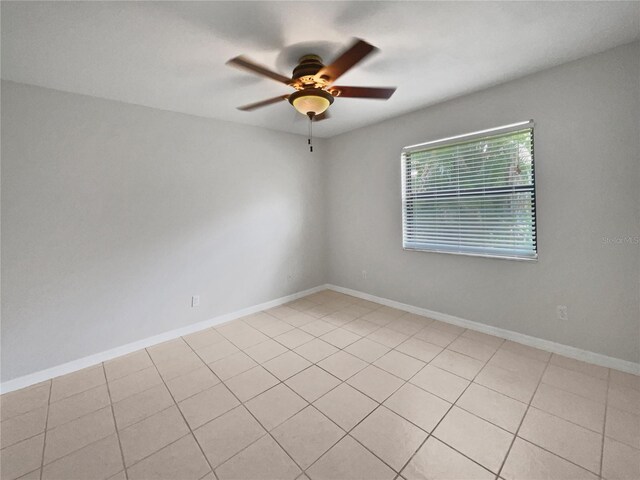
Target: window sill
[(471, 254)]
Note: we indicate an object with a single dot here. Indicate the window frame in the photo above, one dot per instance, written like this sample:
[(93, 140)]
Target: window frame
[(461, 139)]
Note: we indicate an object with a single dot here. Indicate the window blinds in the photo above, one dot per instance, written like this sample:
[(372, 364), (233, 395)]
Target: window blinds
[(472, 194)]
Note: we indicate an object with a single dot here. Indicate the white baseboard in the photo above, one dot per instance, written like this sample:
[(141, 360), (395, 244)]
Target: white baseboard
[(75, 365), (547, 345)]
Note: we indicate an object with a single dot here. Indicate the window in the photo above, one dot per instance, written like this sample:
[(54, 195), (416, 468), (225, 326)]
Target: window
[(472, 194)]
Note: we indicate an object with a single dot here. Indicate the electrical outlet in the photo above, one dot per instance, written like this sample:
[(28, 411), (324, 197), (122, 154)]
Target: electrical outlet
[(364, 274), (562, 313), (195, 301)]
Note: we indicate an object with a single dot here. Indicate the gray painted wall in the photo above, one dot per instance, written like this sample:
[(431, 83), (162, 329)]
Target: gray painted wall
[(114, 215), (587, 139)]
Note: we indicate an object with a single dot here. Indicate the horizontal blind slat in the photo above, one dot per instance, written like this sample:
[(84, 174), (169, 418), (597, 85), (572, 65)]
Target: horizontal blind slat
[(477, 196), (491, 155)]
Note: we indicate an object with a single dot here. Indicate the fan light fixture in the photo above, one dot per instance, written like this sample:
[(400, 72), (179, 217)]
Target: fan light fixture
[(313, 82), (312, 101)]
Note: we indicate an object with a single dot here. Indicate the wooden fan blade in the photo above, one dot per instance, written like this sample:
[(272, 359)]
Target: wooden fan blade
[(246, 64), (264, 103), (365, 92), (344, 62), (323, 116)]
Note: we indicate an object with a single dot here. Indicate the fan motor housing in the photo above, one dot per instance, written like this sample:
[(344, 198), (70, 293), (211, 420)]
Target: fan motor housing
[(308, 66)]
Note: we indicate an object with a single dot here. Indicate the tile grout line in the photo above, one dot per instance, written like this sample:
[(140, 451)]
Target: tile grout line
[(149, 388), (379, 327), (152, 453), (93, 442), (343, 381), (593, 377), (134, 423), (251, 413), (137, 393), (106, 384), (46, 422), (354, 374), (175, 403), (162, 448), (207, 474), (207, 365), (604, 423), (293, 350), (65, 423), (30, 437), (75, 395), (513, 398), (555, 454), (379, 404), (348, 432), (471, 381), (115, 422), (515, 435), (453, 404), (320, 367), (59, 401)]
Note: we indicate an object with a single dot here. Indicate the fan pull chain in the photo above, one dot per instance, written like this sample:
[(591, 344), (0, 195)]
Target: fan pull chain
[(310, 114)]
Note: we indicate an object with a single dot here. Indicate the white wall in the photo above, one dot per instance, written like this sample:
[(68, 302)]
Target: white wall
[(587, 139), (114, 215)]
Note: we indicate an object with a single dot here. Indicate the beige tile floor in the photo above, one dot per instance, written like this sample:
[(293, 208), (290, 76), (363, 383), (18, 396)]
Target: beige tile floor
[(328, 387)]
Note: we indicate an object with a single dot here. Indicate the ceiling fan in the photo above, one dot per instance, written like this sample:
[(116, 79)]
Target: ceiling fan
[(313, 81)]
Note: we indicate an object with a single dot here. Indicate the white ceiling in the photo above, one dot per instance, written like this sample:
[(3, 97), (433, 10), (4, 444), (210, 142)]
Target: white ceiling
[(171, 55)]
